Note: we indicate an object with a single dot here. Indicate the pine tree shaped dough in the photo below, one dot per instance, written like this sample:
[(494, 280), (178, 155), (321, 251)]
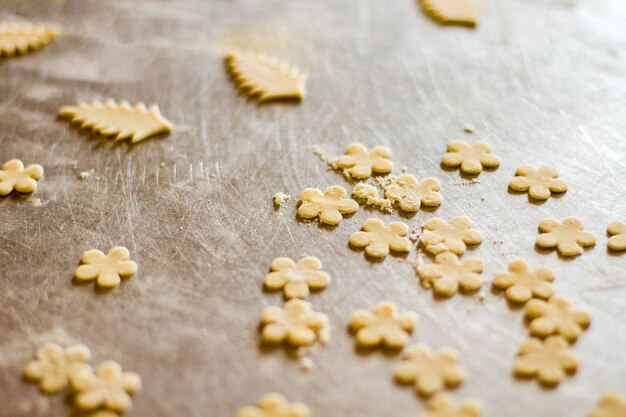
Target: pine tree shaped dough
[(460, 12), (20, 38)]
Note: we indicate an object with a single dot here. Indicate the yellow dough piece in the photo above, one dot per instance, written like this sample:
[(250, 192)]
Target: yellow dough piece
[(567, 237), (20, 38), (443, 405), (470, 157), (555, 317), (548, 360), (618, 239), (609, 405), (446, 275), (274, 405), (123, 121), (378, 239), (459, 12), (295, 279), (410, 193), (520, 283), (266, 77), (296, 324), (430, 372), (439, 236), (382, 326), (359, 162), (54, 365), (13, 176), (329, 207), (106, 269), (107, 387), (539, 183)]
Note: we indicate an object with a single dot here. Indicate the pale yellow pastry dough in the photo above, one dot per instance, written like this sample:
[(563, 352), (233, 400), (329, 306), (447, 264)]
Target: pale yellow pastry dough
[(368, 195), (609, 405), (429, 371), (274, 405), (295, 279), (446, 275), (359, 162), (329, 207), (443, 405), (410, 193), (378, 239), (54, 365), (520, 283), (618, 239), (556, 317), (460, 12), (471, 157), (123, 121), (106, 269), (20, 38), (548, 360), (439, 236), (539, 183), (13, 176), (382, 326), (568, 237), (296, 324)]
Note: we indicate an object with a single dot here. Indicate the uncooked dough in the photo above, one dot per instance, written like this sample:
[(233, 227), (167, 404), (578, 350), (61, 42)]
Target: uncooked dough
[(470, 157), (609, 405), (444, 405), (274, 405), (295, 279), (378, 239), (296, 324), (329, 207), (568, 237), (548, 360), (520, 283), (556, 317), (410, 194), (446, 274), (382, 326), (54, 365), (618, 239), (13, 176), (538, 182), (359, 162), (106, 269), (439, 236)]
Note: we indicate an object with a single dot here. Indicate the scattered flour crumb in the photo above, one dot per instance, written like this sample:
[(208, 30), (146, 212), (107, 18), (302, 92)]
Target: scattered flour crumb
[(306, 364), (280, 198), (414, 235), (37, 202), (418, 264), (162, 164), (481, 296), (468, 129), (84, 175), (368, 194), (317, 151)]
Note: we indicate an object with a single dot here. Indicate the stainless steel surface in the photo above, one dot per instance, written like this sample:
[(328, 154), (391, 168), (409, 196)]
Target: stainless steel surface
[(542, 81)]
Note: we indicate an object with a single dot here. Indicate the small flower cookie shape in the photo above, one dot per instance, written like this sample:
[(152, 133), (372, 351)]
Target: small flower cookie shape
[(471, 157), (446, 275), (520, 283), (107, 387), (329, 207), (439, 236), (378, 239), (106, 269), (411, 194), (274, 405), (382, 326), (13, 176), (539, 183), (54, 365), (429, 371), (618, 239), (359, 162), (296, 324), (556, 317), (609, 405), (443, 405), (296, 279), (568, 237), (548, 360)]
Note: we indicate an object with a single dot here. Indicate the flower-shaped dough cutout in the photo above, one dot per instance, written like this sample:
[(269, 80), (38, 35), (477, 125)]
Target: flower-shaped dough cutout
[(296, 279), (382, 326), (429, 371), (609, 405), (568, 237), (439, 236), (360, 163), (548, 360), (54, 365), (378, 239), (446, 274), (13, 176), (296, 324), (443, 405), (520, 283), (556, 317), (539, 183), (410, 193), (329, 207), (471, 157), (618, 239), (107, 387), (106, 269), (274, 405)]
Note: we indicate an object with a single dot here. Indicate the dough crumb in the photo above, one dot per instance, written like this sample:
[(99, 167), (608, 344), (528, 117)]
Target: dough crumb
[(280, 198), (468, 129), (368, 195), (37, 202), (306, 364), (317, 151), (85, 174), (414, 235)]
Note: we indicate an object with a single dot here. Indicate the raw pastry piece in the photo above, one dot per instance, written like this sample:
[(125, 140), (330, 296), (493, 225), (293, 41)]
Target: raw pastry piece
[(378, 239), (329, 207), (20, 38), (296, 324), (567, 237), (13, 176), (446, 274), (107, 387), (368, 195), (609, 405), (359, 162), (548, 360), (382, 326), (538, 182), (520, 284), (122, 120), (471, 157), (439, 236), (618, 240), (106, 269), (430, 372), (274, 405), (453, 12), (265, 77), (555, 317), (295, 279), (54, 365), (443, 405), (410, 194)]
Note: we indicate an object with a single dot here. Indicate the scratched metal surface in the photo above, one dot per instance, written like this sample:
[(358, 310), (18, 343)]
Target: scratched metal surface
[(542, 81)]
